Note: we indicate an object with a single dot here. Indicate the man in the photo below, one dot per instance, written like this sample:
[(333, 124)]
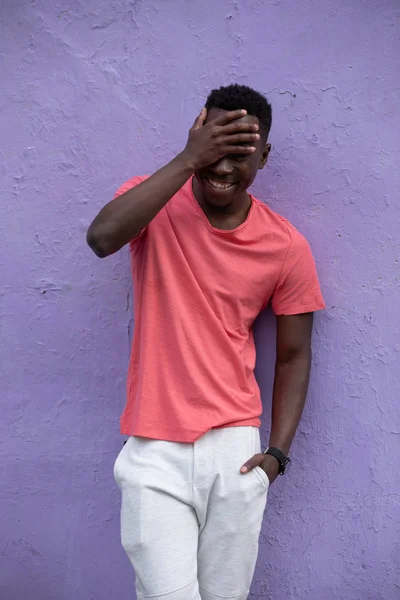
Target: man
[(207, 258)]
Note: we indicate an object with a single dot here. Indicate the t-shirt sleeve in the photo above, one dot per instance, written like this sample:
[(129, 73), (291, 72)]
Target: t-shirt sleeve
[(297, 290), (125, 187)]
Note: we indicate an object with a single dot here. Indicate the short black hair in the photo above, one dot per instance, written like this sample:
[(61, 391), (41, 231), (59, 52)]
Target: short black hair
[(233, 97)]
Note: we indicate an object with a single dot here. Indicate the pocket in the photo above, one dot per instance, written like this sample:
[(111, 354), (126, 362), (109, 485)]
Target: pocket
[(262, 476), (116, 469), (258, 471)]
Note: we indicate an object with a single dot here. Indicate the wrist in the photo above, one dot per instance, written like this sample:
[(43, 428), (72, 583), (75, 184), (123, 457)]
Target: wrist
[(283, 462), (187, 162), (282, 445), (272, 457)]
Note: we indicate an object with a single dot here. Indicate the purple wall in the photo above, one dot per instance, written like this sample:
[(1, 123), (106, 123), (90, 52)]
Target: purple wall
[(95, 92)]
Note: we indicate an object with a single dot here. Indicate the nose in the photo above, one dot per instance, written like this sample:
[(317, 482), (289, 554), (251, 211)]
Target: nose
[(222, 167)]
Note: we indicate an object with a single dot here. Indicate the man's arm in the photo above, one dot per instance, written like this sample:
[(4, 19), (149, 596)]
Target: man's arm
[(292, 372), (122, 219)]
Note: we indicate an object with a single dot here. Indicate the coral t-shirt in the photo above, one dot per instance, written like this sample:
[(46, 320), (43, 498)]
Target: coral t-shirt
[(197, 292)]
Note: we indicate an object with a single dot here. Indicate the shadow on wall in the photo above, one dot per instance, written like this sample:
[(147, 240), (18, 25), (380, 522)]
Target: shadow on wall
[(265, 338)]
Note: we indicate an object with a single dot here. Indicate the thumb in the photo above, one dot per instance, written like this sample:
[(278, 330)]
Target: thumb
[(255, 461), (199, 122)]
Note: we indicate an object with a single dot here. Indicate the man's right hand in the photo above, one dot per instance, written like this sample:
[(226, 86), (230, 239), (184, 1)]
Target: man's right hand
[(227, 134)]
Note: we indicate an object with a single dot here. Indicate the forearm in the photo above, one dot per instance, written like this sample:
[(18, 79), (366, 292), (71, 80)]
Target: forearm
[(289, 396), (122, 219)]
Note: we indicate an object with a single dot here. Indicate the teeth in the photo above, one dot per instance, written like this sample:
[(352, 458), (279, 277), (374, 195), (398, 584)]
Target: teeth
[(219, 185)]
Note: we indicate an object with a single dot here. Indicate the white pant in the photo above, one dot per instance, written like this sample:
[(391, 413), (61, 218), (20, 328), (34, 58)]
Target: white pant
[(190, 521)]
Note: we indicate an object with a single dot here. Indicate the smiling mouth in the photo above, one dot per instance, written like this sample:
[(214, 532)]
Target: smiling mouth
[(219, 185)]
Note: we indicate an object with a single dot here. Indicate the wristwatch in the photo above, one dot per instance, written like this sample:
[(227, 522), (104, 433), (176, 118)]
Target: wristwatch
[(284, 461)]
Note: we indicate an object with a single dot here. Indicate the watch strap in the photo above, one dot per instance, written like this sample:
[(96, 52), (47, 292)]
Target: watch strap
[(280, 457)]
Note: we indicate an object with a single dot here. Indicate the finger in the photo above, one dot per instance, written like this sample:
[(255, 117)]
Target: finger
[(254, 461), (240, 138), (230, 116), (199, 121), (226, 150), (238, 127)]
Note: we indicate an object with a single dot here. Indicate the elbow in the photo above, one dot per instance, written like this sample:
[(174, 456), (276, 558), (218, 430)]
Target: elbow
[(98, 242), (290, 355)]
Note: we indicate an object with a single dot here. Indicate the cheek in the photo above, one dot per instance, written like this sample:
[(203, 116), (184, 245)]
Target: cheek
[(249, 171)]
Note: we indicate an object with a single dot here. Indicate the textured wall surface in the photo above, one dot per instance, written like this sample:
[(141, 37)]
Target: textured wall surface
[(96, 91)]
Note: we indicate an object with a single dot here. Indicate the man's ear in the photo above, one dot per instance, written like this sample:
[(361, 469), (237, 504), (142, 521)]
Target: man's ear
[(264, 156)]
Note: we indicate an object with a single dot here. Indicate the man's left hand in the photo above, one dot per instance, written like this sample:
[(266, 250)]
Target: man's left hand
[(268, 463)]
